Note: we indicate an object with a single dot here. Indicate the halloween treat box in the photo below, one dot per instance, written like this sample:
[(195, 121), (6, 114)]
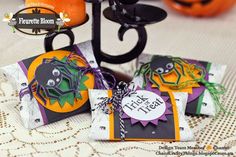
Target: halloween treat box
[(54, 85), (137, 115), (200, 79)]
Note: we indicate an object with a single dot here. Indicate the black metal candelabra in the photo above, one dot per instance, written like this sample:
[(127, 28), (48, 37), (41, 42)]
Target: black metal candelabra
[(125, 12), (96, 39)]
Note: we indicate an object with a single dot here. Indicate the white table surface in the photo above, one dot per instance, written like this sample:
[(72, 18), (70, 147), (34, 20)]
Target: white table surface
[(212, 39)]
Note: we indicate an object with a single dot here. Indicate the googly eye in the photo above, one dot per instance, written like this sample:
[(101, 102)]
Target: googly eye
[(160, 70), (91, 62), (169, 65), (51, 83), (56, 72)]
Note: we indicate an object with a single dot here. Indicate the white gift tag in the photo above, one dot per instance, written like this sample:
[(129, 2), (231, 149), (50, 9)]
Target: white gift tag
[(144, 105)]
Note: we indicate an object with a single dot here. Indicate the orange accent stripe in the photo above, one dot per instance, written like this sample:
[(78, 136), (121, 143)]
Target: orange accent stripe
[(175, 115), (176, 123), (111, 119)]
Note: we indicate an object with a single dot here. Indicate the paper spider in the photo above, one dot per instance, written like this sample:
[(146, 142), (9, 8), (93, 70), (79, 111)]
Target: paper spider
[(159, 66), (48, 76)]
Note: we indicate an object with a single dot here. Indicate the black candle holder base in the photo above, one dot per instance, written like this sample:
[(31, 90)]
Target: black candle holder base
[(148, 14)]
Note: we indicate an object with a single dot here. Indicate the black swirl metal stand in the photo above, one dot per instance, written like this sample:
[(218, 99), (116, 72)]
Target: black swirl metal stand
[(124, 12)]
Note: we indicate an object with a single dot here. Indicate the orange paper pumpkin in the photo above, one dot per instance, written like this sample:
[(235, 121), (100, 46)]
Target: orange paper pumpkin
[(74, 9), (200, 7)]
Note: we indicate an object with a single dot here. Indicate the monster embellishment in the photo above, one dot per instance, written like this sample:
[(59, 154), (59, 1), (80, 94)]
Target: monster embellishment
[(58, 81), (170, 74), (54, 72), (161, 66)]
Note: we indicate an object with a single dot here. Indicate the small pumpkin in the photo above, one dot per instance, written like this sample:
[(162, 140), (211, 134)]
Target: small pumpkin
[(74, 9), (200, 7)]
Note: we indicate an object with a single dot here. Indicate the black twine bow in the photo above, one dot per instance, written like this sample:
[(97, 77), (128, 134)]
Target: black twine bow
[(115, 101)]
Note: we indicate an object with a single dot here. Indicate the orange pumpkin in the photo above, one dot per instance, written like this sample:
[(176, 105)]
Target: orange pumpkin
[(200, 7), (75, 9)]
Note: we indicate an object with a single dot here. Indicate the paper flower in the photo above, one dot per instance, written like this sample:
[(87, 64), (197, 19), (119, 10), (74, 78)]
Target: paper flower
[(64, 17), (7, 17), (62, 20)]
